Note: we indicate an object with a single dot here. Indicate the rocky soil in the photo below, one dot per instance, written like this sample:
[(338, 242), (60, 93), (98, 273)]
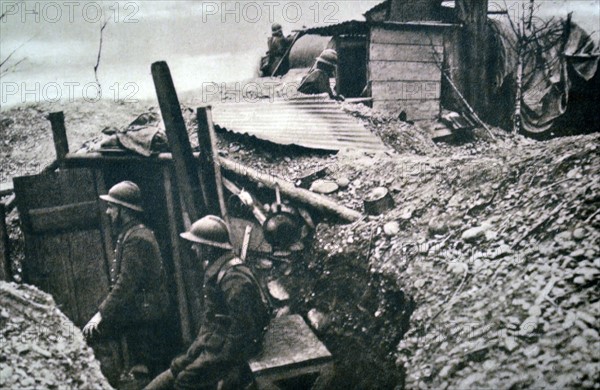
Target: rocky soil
[(41, 347), (483, 275)]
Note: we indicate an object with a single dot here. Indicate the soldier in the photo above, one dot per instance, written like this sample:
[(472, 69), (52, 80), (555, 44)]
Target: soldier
[(277, 55), (137, 303), (317, 79), (235, 315)]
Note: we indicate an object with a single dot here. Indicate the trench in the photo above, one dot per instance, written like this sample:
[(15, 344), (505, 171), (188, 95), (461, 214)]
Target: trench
[(362, 316)]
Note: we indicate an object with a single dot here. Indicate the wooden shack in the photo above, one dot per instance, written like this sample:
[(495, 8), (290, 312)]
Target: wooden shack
[(395, 57), (405, 62)]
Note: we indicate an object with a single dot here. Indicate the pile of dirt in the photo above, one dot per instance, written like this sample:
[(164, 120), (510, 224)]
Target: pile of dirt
[(499, 252), (41, 347)]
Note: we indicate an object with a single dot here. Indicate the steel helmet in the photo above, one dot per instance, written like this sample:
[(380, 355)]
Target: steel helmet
[(126, 194), (210, 230), (329, 57), (276, 27)]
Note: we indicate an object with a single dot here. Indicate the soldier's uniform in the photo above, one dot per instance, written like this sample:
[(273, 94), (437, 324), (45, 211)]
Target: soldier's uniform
[(137, 303), (232, 329), (235, 315), (278, 47), (317, 79)]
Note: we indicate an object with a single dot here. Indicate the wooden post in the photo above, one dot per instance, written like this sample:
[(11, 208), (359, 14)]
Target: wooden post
[(179, 142), (59, 133), (473, 14), (5, 273), (182, 301), (210, 173)]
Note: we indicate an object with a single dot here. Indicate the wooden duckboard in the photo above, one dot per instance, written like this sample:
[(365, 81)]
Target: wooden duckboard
[(290, 345)]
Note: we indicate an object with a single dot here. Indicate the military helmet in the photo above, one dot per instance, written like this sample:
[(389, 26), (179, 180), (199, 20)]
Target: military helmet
[(329, 57), (126, 194), (276, 27), (210, 230)]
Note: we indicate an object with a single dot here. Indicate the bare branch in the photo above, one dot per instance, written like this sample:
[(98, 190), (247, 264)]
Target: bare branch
[(11, 68), (99, 53)]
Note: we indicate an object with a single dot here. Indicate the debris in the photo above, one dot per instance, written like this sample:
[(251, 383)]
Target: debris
[(377, 201), (474, 233), (305, 179), (343, 182), (437, 225), (277, 291), (316, 318), (579, 234), (324, 187), (391, 228)]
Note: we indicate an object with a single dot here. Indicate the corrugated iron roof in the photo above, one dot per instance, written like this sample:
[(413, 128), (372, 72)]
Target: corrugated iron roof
[(350, 27), (312, 122)]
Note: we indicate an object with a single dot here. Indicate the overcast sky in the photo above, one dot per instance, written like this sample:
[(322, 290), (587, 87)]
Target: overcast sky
[(200, 40)]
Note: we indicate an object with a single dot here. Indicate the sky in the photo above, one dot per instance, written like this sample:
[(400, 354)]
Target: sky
[(201, 41)]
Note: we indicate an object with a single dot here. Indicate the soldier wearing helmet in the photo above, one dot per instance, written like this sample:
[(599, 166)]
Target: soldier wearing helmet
[(277, 60), (317, 79), (137, 302), (235, 315)]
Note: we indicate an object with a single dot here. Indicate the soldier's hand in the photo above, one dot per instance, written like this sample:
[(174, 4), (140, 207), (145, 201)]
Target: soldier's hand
[(92, 326)]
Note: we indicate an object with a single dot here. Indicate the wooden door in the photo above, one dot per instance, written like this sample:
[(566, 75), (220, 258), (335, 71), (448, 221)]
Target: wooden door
[(66, 239)]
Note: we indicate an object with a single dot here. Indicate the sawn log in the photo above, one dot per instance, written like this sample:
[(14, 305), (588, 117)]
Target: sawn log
[(316, 201)]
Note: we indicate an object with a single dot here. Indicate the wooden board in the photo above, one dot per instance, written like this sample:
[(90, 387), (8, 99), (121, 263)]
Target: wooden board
[(289, 343), (5, 273), (64, 246), (415, 109), (398, 52), (64, 218), (404, 71), (406, 90), (408, 36)]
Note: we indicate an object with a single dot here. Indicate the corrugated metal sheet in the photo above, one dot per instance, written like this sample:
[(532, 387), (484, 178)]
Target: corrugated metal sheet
[(350, 27), (313, 122)]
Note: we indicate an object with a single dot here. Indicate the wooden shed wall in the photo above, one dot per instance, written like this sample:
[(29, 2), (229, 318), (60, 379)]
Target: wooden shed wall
[(404, 72)]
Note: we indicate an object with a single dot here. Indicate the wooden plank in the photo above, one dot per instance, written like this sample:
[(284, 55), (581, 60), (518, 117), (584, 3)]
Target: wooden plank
[(408, 35), (185, 164), (5, 273), (289, 342), (182, 301), (55, 272), (415, 109), (35, 191), (404, 71), (105, 227), (210, 174), (78, 188), (90, 283), (398, 52), (406, 90), (64, 218), (59, 134)]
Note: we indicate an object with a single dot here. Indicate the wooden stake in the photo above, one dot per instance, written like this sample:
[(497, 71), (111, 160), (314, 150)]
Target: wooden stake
[(210, 173), (5, 273), (246, 242), (179, 142), (59, 133), (182, 301)]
